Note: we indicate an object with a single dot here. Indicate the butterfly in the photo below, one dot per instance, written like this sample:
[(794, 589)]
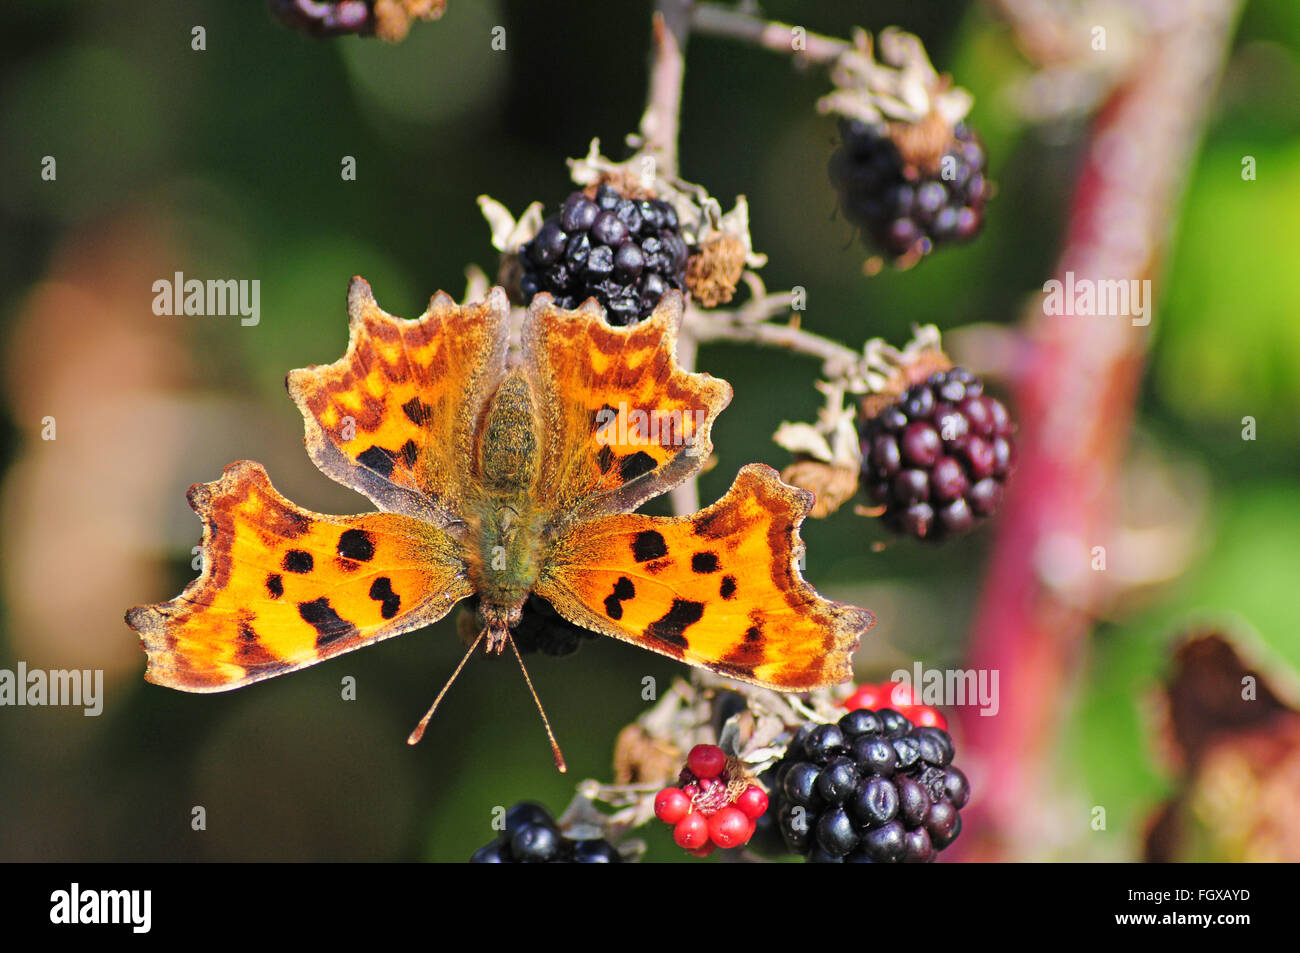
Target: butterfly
[(501, 472)]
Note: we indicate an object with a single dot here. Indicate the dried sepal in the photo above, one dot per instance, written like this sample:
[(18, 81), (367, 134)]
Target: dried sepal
[(509, 235), (900, 92), (393, 18), (827, 455), (889, 372), (642, 758)]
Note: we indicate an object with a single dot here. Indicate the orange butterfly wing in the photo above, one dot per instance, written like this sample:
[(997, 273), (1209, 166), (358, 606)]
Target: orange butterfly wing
[(623, 423), (395, 417), (282, 588), (720, 589)]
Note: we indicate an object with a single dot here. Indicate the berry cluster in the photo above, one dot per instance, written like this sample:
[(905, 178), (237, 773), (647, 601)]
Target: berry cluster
[(938, 457), (712, 805), (872, 788), (626, 253), (905, 208), (531, 837)]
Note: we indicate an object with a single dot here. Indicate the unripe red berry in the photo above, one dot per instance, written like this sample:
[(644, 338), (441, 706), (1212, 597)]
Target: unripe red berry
[(730, 827), (706, 761), (923, 716), (898, 695), (691, 831), (867, 696), (671, 805), (753, 801)]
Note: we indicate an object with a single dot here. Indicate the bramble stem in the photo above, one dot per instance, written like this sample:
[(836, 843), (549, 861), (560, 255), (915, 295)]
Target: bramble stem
[(741, 326), (662, 119), (659, 129), (1076, 388), (718, 20)]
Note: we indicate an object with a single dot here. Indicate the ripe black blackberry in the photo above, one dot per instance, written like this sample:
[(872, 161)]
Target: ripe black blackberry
[(624, 252), (910, 187), (937, 457), (531, 837), (872, 788)]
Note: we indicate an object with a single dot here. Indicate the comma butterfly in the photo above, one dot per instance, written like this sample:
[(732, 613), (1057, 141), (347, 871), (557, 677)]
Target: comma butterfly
[(498, 475)]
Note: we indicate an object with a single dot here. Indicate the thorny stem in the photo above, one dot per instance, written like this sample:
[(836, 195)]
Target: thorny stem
[(673, 22), (1075, 393), (718, 20), (836, 358)]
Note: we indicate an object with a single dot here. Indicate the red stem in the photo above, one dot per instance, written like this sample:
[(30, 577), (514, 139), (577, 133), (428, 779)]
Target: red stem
[(1075, 397)]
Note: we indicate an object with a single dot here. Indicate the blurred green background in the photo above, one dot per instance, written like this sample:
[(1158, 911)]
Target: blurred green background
[(226, 163)]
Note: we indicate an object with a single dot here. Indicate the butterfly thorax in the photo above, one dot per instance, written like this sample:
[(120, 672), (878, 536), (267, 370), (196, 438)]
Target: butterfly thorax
[(507, 550)]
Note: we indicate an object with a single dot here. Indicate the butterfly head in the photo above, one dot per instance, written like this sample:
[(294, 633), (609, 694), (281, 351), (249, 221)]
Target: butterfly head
[(498, 620)]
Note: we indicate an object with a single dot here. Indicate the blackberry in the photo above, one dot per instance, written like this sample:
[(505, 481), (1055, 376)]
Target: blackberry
[(624, 252), (937, 458), (532, 837), (894, 797), (910, 187)]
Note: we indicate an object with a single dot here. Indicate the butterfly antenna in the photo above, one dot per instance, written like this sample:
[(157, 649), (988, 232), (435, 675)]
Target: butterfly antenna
[(418, 733), (555, 748)]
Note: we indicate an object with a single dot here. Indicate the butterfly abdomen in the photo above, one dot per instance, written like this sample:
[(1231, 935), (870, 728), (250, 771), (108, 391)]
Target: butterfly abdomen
[(507, 549), (507, 444)]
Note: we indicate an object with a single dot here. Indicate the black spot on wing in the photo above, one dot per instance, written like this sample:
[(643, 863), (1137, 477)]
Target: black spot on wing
[(638, 464), (410, 452), (623, 589), (381, 590), (275, 585), (378, 459), (605, 458), (670, 628), (704, 562), (647, 545), (329, 625), (417, 411), (357, 544), (728, 587), (297, 560)]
